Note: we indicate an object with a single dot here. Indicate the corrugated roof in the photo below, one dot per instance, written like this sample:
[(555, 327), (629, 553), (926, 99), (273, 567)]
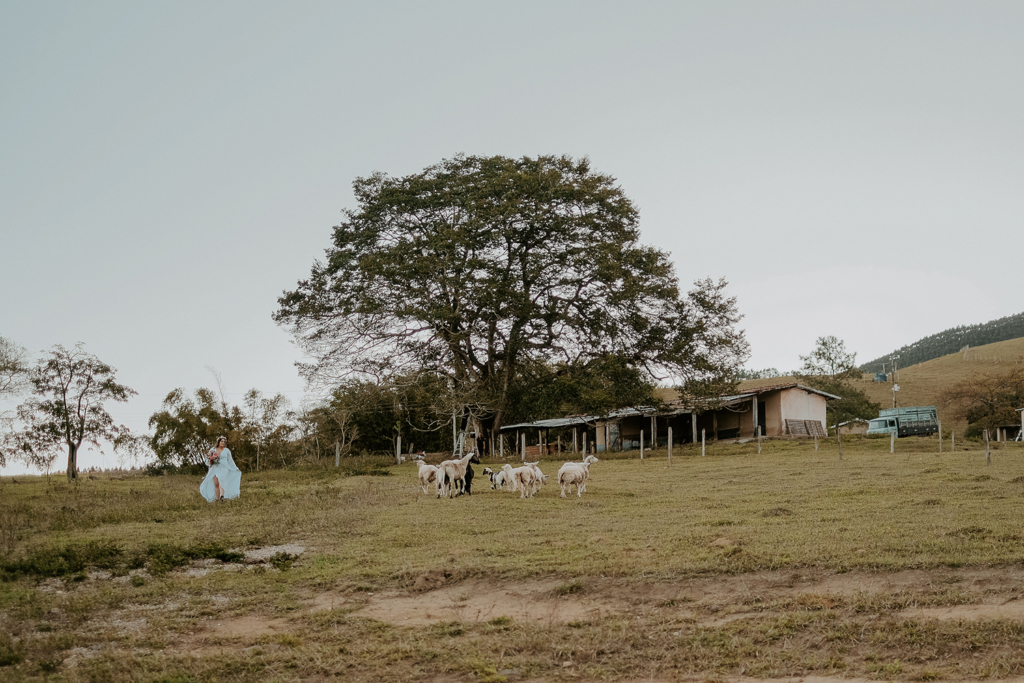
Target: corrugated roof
[(555, 423), (676, 407)]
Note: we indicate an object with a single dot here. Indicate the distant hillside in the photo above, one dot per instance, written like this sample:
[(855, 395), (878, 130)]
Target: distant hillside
[(921, 384), (952, 340)]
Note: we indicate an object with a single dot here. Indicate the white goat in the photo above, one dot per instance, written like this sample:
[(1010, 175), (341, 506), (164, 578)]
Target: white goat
[(525, 478), (427, 473), (454, 472), (575, 473), (541, 477)]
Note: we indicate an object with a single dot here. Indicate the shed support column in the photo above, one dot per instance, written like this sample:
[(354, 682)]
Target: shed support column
[(693, 423), (754, 413)]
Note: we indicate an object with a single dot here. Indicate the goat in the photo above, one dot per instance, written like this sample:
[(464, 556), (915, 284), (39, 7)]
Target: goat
[(575, 473), (427, 474), (525, 478), (498, 479), (452, 472), (541, 478)]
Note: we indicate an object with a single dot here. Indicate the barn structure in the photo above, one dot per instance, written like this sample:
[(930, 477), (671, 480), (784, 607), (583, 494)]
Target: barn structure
[(780, 410)]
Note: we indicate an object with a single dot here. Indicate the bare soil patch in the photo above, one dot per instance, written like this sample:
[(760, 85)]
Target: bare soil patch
[(711, 600)]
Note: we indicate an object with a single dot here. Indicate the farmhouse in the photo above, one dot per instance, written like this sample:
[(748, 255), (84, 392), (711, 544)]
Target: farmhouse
[(780, 410)]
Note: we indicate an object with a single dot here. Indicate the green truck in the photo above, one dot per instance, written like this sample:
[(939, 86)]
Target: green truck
[(916, 421)]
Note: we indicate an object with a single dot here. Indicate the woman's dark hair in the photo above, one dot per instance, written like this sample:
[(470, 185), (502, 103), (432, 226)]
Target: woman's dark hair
[(222, 438)]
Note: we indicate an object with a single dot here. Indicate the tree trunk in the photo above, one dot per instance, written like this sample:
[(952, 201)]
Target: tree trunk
[(72, 462)]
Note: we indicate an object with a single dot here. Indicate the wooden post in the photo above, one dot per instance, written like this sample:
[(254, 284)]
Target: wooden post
[(337, 454), (584, 443), (753, 414), (574, 441), (398, 450), (523, 459), (607, 438), (758, 430), (654, 432), (693, 423), (641, 444), (670, 444), (455, 433), (559, 443), (988, 453), (702, 443), (892, 442)]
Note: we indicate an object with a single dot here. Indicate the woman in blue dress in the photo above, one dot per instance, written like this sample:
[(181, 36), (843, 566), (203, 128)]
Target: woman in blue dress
[(223, 480)]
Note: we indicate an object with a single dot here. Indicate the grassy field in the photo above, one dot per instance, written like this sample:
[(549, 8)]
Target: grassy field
[(790, 562)]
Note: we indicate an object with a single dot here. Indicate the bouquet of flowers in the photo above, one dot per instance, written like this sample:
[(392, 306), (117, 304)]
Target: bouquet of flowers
[(214, 456)]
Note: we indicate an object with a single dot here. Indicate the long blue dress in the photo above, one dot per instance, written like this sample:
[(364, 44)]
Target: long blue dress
[(230, 478)]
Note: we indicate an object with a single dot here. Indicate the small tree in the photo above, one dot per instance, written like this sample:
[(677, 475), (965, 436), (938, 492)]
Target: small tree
[(14, 374), (830, 358), (69, 387), (831, 368), (986, 401)]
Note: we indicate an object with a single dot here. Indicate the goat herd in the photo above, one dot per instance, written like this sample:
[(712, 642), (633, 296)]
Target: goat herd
[(455, 477)]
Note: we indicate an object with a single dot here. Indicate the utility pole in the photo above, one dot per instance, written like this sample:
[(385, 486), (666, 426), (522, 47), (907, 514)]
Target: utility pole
[(895, 387)]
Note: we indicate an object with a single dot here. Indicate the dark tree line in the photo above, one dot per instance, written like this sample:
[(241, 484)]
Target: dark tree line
[(952, 340)]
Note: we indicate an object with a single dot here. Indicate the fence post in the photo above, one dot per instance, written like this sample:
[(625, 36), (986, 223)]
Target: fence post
[(702, 443), (398, 450), (892, 442), (641, 444), (759, 439), (337, 454), (670, 444)]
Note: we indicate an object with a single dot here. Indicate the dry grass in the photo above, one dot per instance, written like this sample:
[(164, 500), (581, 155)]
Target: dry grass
[(787, 513)]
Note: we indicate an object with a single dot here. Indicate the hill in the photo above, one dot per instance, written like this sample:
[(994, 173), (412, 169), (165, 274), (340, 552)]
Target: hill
[(953, 340), (921, 384)]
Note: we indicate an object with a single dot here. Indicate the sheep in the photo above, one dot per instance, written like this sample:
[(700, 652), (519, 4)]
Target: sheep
[(454, 472), (427, 474), (575, 473)]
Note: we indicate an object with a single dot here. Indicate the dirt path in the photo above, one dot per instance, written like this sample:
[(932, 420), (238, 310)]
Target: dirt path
[(714, 600)]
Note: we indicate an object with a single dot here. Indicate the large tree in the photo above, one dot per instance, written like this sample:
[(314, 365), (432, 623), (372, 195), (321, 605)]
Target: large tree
[(66, 409), (479, 268)]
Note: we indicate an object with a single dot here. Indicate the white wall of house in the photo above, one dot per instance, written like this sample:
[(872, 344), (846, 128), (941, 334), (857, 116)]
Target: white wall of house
[(797, 404)]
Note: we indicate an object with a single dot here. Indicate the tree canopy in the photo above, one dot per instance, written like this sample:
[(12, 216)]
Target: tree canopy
[(986, 401), (481, 270), (66, 409), (831, 368)]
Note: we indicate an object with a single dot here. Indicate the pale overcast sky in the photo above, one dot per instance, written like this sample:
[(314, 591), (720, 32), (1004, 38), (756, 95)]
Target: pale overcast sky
[(168, 168)]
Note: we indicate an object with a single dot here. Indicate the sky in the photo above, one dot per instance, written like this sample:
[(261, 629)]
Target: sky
[(168, 169)]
